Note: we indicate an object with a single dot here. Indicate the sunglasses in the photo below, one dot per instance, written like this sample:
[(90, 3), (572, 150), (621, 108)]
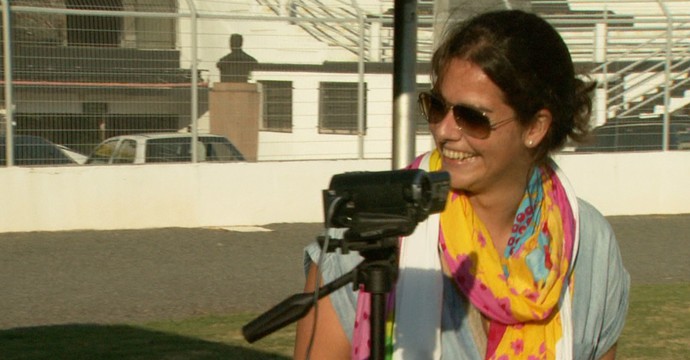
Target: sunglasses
[(470, 121)]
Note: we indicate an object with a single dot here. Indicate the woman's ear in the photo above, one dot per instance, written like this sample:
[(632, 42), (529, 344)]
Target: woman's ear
[(538, 129)]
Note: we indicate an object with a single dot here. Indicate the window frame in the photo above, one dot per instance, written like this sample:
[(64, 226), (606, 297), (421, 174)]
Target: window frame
[(276, 106), (330, 112)]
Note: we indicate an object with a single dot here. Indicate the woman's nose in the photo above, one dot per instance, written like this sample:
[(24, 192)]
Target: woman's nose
[(447, 128)]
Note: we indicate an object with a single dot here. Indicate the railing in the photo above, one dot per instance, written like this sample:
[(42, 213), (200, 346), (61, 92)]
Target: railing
[(636, 47), (636, 77), (377, 25)]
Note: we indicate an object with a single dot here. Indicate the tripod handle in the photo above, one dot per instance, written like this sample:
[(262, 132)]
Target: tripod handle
[(289, 310), (286, 312)]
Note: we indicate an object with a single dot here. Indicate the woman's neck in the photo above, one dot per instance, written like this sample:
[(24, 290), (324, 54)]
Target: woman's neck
[(496, 209)]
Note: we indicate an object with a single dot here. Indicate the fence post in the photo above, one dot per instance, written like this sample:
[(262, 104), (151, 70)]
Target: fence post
[(9, 101), (667, 80), (194, 91), (601, 93), (360, 81)]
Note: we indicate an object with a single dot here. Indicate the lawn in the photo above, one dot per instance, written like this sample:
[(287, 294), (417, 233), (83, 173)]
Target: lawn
[(658, 327), (658, 323)]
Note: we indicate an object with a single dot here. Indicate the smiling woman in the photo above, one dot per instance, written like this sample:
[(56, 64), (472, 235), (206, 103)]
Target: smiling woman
[(494, 275)]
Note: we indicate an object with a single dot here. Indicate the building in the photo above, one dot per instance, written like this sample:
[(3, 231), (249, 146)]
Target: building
[(84, 70)]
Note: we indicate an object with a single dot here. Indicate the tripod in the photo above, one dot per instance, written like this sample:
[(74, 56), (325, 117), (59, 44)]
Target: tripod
[(376, 274), (376, 208)]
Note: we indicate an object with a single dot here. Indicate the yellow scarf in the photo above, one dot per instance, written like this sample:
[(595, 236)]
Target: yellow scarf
[(518, 292)]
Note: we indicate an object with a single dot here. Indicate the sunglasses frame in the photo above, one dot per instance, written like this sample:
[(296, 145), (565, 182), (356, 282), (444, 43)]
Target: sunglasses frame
[(474, 129)]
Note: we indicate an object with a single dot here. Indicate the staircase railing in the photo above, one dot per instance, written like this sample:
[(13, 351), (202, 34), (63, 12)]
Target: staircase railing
[(648, 68), (377, 26), (327, 25), (645, 55)]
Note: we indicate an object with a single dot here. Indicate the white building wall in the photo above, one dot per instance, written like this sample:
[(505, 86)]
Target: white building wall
[(305, 142)]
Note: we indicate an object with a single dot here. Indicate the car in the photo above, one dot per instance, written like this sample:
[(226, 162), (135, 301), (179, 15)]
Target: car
[(684, 140), (78, 157), (148, 148), (32, 150), (638, 134)]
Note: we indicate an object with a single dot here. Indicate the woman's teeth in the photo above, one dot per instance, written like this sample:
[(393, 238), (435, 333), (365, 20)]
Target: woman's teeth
[(456, 155)]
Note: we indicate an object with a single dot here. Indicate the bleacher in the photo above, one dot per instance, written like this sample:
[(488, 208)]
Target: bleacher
[(642, 57)]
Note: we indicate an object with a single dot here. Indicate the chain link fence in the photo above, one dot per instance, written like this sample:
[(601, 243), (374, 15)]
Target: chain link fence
[(292, 80)]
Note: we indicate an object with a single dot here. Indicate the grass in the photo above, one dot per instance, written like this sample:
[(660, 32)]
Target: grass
[(658, 323), (657, 327)]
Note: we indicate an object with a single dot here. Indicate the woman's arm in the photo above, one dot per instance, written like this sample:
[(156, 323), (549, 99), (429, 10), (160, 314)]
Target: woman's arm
[(330, 341), (611, 354)]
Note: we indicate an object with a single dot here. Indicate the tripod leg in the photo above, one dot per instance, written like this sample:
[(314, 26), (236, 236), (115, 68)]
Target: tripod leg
[(378, 326)]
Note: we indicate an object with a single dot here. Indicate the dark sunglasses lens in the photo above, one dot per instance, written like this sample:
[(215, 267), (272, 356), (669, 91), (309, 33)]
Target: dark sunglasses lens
[(433, 108), (472, 122)]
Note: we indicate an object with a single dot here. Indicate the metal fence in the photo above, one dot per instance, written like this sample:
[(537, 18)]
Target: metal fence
[(295, 79)]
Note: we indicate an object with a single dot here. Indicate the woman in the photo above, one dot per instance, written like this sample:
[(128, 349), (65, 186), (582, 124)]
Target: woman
[(516, 266)]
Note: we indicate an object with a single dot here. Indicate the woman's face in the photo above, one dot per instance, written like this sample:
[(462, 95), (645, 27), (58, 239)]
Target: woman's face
[(479, 165)]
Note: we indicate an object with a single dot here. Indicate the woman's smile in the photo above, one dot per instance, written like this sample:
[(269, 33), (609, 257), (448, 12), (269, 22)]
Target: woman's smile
[(457, 156)]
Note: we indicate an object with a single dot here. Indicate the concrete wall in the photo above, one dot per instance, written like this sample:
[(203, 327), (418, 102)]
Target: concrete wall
[(236, 194), (640, 183)]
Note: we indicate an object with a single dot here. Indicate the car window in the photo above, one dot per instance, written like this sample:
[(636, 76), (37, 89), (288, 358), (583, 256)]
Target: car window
[(220, 149), (639, 137), (600, 139), (168, 150), (201, 151), (680, 136), (210, 148), (34, 150), (126, 152), (102, 153)]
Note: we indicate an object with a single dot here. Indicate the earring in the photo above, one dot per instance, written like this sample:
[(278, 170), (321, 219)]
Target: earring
[(530, 143)]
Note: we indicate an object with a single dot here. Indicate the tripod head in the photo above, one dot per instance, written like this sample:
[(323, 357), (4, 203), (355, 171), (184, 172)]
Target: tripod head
[(375, 205)]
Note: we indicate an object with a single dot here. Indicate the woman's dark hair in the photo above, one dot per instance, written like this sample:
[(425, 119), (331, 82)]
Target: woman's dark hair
[(529, 61)]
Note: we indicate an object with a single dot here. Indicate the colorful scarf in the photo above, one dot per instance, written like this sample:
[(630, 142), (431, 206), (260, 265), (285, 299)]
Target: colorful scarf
[(524, 294)]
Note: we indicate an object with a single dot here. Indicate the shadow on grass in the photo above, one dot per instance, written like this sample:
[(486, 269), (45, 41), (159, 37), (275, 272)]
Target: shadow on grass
[(87, 341)]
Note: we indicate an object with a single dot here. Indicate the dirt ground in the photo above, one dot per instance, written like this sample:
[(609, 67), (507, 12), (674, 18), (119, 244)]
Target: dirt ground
[(133, 276)]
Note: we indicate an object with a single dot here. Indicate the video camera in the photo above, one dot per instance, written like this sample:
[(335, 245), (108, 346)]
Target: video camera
[(384, 203)]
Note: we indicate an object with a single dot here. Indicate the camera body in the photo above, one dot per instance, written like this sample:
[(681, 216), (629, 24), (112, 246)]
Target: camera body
[(384, 203)]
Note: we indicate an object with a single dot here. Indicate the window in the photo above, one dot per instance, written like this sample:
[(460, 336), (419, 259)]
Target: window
[(102, 153), (220, 149), (179, 149), (422, 126), (338, 107), (125, 152), (277, 106), (86, 30), (169, 150)]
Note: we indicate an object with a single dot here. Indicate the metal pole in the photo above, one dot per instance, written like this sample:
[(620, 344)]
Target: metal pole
[(404, 82), (9, 101), (360, 81), (667, 79), (600, 51), (195, 80)]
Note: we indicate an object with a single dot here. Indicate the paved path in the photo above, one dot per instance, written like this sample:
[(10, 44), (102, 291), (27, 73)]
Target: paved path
[(132, 276)]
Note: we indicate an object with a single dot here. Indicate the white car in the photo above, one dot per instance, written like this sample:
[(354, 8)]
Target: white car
[(162, 148)]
